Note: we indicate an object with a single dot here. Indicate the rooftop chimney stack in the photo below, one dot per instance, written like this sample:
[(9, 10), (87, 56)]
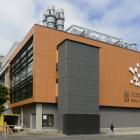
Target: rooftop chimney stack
[(54, 19), (49, 17), (60, 19)]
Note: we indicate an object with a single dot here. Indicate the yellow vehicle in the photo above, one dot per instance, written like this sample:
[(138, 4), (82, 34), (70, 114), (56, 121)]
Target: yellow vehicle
[(9, 119), (8, 123)]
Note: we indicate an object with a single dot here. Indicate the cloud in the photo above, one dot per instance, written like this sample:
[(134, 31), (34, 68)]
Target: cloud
[(114, 17), (119, 18), (16, 17)]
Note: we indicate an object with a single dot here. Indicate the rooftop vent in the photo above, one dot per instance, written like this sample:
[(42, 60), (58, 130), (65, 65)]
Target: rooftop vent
[(54, 18), (60, 19)]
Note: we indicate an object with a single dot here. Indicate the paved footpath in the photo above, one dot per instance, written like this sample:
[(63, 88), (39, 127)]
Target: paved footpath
[(80, 137)]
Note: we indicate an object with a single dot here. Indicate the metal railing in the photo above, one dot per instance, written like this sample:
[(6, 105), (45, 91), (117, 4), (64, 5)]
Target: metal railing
[(94, 35), (6, 129)]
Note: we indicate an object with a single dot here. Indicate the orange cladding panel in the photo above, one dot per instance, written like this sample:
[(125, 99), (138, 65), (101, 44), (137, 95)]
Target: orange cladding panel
[(115, 87), (20, 46)]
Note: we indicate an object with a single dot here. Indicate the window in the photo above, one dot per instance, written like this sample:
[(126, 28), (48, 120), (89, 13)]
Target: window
[(30, 68), (21, 73), (47, 120)]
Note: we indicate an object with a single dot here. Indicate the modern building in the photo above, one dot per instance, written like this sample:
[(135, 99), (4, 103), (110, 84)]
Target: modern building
[(76, 81), (1, 60), (4, 73), (4, 77)]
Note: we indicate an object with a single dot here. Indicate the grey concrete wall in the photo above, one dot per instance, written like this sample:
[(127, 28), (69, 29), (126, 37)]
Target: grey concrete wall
[(78, 74), (24, 113), (50, 109), (27, 110), (121, 117), (38, 109)]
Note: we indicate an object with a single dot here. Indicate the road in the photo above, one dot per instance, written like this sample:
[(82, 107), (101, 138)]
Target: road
[(81, 137)]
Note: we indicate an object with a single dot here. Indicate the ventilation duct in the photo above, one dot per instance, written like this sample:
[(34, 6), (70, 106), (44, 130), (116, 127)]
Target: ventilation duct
[(54, 19), (60, 19), (49, 18)]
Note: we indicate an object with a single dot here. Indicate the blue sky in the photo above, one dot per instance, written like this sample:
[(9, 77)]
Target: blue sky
[(120, 18)]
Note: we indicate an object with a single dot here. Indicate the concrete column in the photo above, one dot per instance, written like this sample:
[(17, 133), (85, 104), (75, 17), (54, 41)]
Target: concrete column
[(21, 117), (38, 117)]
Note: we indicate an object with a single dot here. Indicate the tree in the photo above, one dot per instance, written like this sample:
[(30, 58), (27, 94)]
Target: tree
[(3, 97)]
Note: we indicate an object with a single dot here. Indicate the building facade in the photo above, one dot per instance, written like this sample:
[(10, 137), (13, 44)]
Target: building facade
[(1, 58), (4, 73), (73, 84)]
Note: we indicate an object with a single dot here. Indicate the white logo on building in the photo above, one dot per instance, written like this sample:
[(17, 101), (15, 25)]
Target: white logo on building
[(136, 75)]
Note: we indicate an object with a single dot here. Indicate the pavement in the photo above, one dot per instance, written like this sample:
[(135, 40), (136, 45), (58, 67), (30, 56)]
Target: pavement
[(122, 131), (78, 137), (120, 134)]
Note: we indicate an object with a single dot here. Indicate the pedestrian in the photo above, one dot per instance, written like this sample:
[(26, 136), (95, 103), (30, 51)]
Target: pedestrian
[(112, 129)]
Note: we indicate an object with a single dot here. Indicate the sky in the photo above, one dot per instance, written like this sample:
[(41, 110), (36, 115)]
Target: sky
[(119, 18)]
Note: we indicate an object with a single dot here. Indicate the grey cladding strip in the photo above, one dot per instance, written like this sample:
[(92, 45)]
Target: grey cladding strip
[(78, 79)]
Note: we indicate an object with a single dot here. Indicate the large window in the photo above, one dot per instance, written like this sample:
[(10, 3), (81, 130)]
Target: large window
[(21, 73), (47, 120)]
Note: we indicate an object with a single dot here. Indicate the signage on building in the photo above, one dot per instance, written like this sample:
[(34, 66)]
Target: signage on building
[(132, 97), (135, 71)]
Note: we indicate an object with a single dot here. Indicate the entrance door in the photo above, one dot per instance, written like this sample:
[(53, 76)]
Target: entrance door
[(33, 121)]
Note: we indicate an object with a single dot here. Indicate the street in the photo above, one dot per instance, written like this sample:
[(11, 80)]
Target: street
[(80, 137)]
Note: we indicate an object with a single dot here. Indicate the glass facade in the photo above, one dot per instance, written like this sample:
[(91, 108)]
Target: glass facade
[(1, 58), (21, 71)]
